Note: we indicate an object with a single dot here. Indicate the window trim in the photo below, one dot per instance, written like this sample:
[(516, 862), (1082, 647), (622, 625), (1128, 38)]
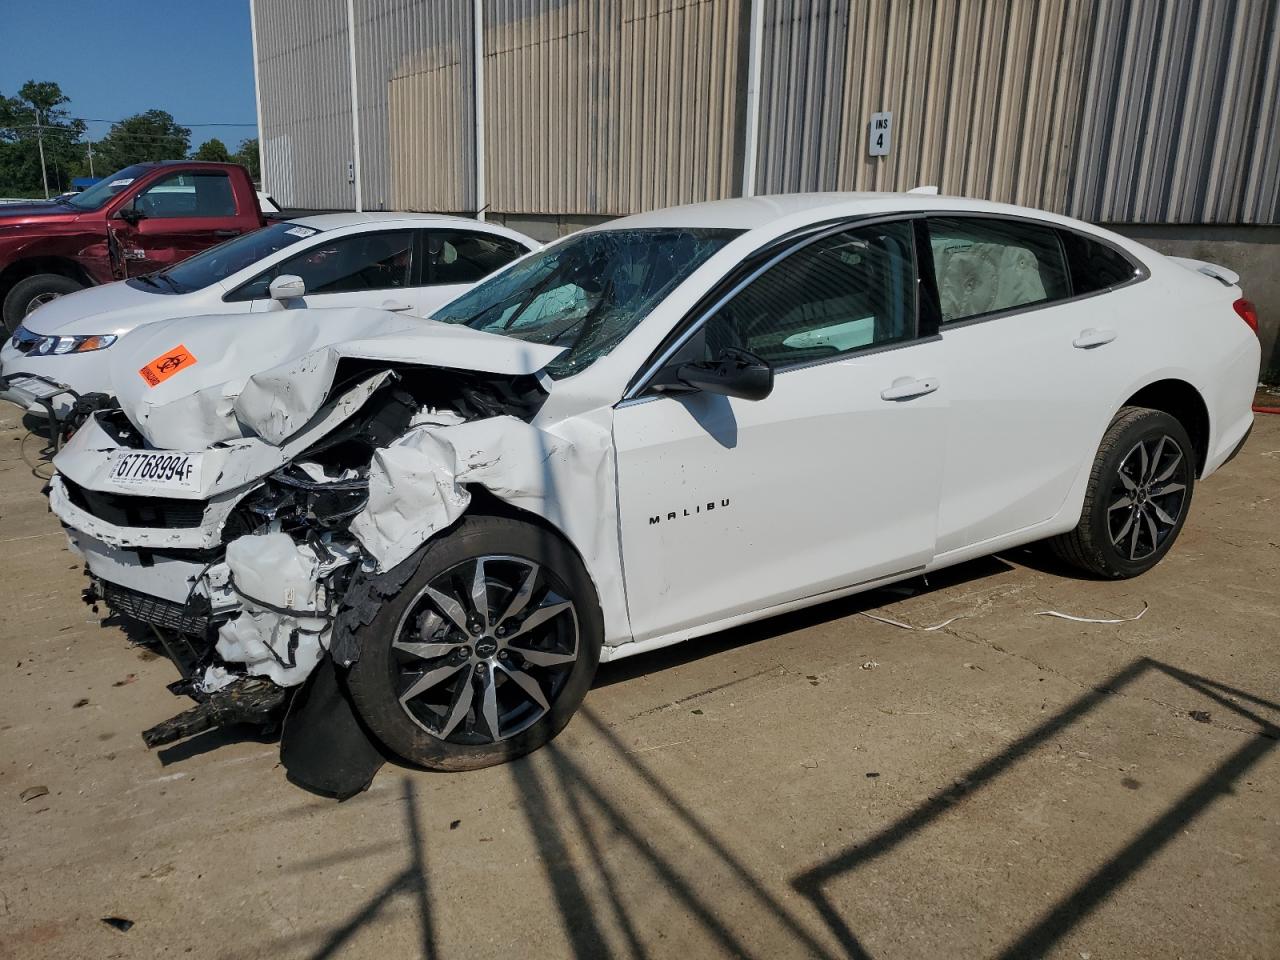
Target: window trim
[(230, 295), (1141, 273), (736, 281)]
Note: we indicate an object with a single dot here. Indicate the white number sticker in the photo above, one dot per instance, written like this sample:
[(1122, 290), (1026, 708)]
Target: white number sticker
[(177, 471)]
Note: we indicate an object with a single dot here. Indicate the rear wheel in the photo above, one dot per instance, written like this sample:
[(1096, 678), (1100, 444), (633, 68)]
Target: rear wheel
[(485, 653), (1137, 499), (31, 293)]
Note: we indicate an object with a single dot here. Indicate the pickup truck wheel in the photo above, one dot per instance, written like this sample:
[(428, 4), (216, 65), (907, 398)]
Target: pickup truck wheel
[(35, 291), (485, 653)]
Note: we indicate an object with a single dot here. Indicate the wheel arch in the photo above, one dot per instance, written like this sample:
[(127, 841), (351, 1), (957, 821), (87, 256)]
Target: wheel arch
[(485, 503), (30, 266), (1184, 403)]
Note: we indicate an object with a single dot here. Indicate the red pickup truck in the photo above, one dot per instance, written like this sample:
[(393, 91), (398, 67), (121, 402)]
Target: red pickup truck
[(144, 218)]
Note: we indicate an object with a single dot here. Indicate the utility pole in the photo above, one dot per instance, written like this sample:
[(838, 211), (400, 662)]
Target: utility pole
[(90, 142), (40, 139)]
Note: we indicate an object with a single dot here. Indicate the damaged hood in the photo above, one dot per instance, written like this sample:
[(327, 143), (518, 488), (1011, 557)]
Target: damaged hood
[(191, 382)]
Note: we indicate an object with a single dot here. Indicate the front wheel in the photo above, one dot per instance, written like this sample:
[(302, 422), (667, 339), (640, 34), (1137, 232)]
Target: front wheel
[(485, 653), (1138, 496), (31, 293)]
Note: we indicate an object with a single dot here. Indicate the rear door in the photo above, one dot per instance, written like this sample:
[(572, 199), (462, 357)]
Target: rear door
[(178, 215), (1034, 362), (731, 506), (453, 260)]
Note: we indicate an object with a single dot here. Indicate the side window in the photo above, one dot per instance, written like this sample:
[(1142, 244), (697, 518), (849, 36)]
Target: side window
[(844, 292), (362, 261), (986, 265), (457, 256), (188, 195), (1094, 265)]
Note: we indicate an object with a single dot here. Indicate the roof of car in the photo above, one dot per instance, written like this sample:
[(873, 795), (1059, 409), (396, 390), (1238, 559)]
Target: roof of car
[(331, 221), (748, 213)]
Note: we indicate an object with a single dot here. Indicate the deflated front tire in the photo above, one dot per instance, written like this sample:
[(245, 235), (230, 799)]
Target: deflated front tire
[(487, 650)]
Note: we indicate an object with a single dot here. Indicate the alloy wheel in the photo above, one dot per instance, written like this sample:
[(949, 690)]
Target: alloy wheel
[(1148, 497), (482, 652), (39, 300)]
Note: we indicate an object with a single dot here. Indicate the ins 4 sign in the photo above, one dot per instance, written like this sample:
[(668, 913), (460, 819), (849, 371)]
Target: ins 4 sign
[(881, 135)]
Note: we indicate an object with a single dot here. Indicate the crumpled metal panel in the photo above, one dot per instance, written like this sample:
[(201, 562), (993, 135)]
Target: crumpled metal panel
[(611, 108)]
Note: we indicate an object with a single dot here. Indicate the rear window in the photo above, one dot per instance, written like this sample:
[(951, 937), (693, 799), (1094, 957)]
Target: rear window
[(986, 265), (463, 256), (1094, 265)]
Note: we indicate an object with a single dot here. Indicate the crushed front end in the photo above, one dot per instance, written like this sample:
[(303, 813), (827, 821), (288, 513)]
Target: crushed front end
[(237, 557)]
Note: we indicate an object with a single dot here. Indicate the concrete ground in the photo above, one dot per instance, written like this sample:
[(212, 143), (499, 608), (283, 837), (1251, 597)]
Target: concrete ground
[(821, 784)]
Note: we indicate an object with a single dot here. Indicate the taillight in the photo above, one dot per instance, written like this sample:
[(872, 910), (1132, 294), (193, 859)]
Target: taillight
[(1248, 313)]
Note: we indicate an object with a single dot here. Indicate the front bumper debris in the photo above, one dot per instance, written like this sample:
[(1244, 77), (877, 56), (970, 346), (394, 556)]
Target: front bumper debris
[(250, 700)]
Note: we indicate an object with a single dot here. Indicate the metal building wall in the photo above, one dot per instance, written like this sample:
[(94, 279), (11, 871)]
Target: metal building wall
[(1180, 119), (1149, 111), (1156, 111), (983, 95), (611, 107), (305, 82), (415, 70)]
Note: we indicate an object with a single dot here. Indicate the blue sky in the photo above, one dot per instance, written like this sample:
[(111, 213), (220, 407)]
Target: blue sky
[(113, 59)]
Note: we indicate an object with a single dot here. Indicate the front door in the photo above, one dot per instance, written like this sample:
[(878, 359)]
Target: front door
[(729, 506), (178, 216)]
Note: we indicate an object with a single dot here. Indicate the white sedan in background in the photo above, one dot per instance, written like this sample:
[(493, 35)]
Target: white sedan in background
[(405, 262), (646, 432)]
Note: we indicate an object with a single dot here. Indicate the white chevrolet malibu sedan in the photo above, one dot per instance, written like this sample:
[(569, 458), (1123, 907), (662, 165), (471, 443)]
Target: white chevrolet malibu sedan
[(405, 262), (647, 432)]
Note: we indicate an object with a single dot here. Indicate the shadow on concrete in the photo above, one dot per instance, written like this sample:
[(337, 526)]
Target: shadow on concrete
[(1059, 919), (412, 882), (601, 910)]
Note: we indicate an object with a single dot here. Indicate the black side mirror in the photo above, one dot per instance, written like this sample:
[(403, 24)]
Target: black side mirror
[(735, 373), (131, 215)]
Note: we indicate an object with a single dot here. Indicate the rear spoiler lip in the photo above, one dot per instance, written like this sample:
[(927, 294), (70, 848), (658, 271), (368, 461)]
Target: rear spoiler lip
[(1228, 278)]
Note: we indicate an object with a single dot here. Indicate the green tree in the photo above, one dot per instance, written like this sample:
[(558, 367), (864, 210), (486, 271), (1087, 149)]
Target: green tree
[(214, 150), (247, 155), (153, 135), (37, 114)]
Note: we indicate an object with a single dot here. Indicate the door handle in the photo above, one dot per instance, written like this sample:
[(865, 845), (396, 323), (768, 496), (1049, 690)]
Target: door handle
[(226, 233), (904, 388), (396, 305), (1093, 338)]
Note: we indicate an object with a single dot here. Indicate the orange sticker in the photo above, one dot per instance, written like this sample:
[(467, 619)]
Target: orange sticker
[(167, 364)]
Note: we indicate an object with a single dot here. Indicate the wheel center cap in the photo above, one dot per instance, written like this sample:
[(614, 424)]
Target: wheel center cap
[(486, 647)]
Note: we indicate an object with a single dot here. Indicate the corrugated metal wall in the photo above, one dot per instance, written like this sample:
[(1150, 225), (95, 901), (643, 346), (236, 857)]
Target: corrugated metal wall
[(1161, 111), (1112, 110), (305, 80), (1195, 133), (415, 69), (608, 108)]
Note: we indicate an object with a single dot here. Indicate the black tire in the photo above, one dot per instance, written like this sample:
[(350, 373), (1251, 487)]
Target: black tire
[(1116, 493), (31, 292), (378, 678)]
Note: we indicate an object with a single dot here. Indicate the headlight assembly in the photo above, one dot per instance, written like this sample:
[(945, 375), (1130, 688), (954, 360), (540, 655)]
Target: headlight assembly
[(46, 346)]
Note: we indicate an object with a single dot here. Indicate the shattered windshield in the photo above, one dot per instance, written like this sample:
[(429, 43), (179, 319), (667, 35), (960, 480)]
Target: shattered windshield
[(587, 293)]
